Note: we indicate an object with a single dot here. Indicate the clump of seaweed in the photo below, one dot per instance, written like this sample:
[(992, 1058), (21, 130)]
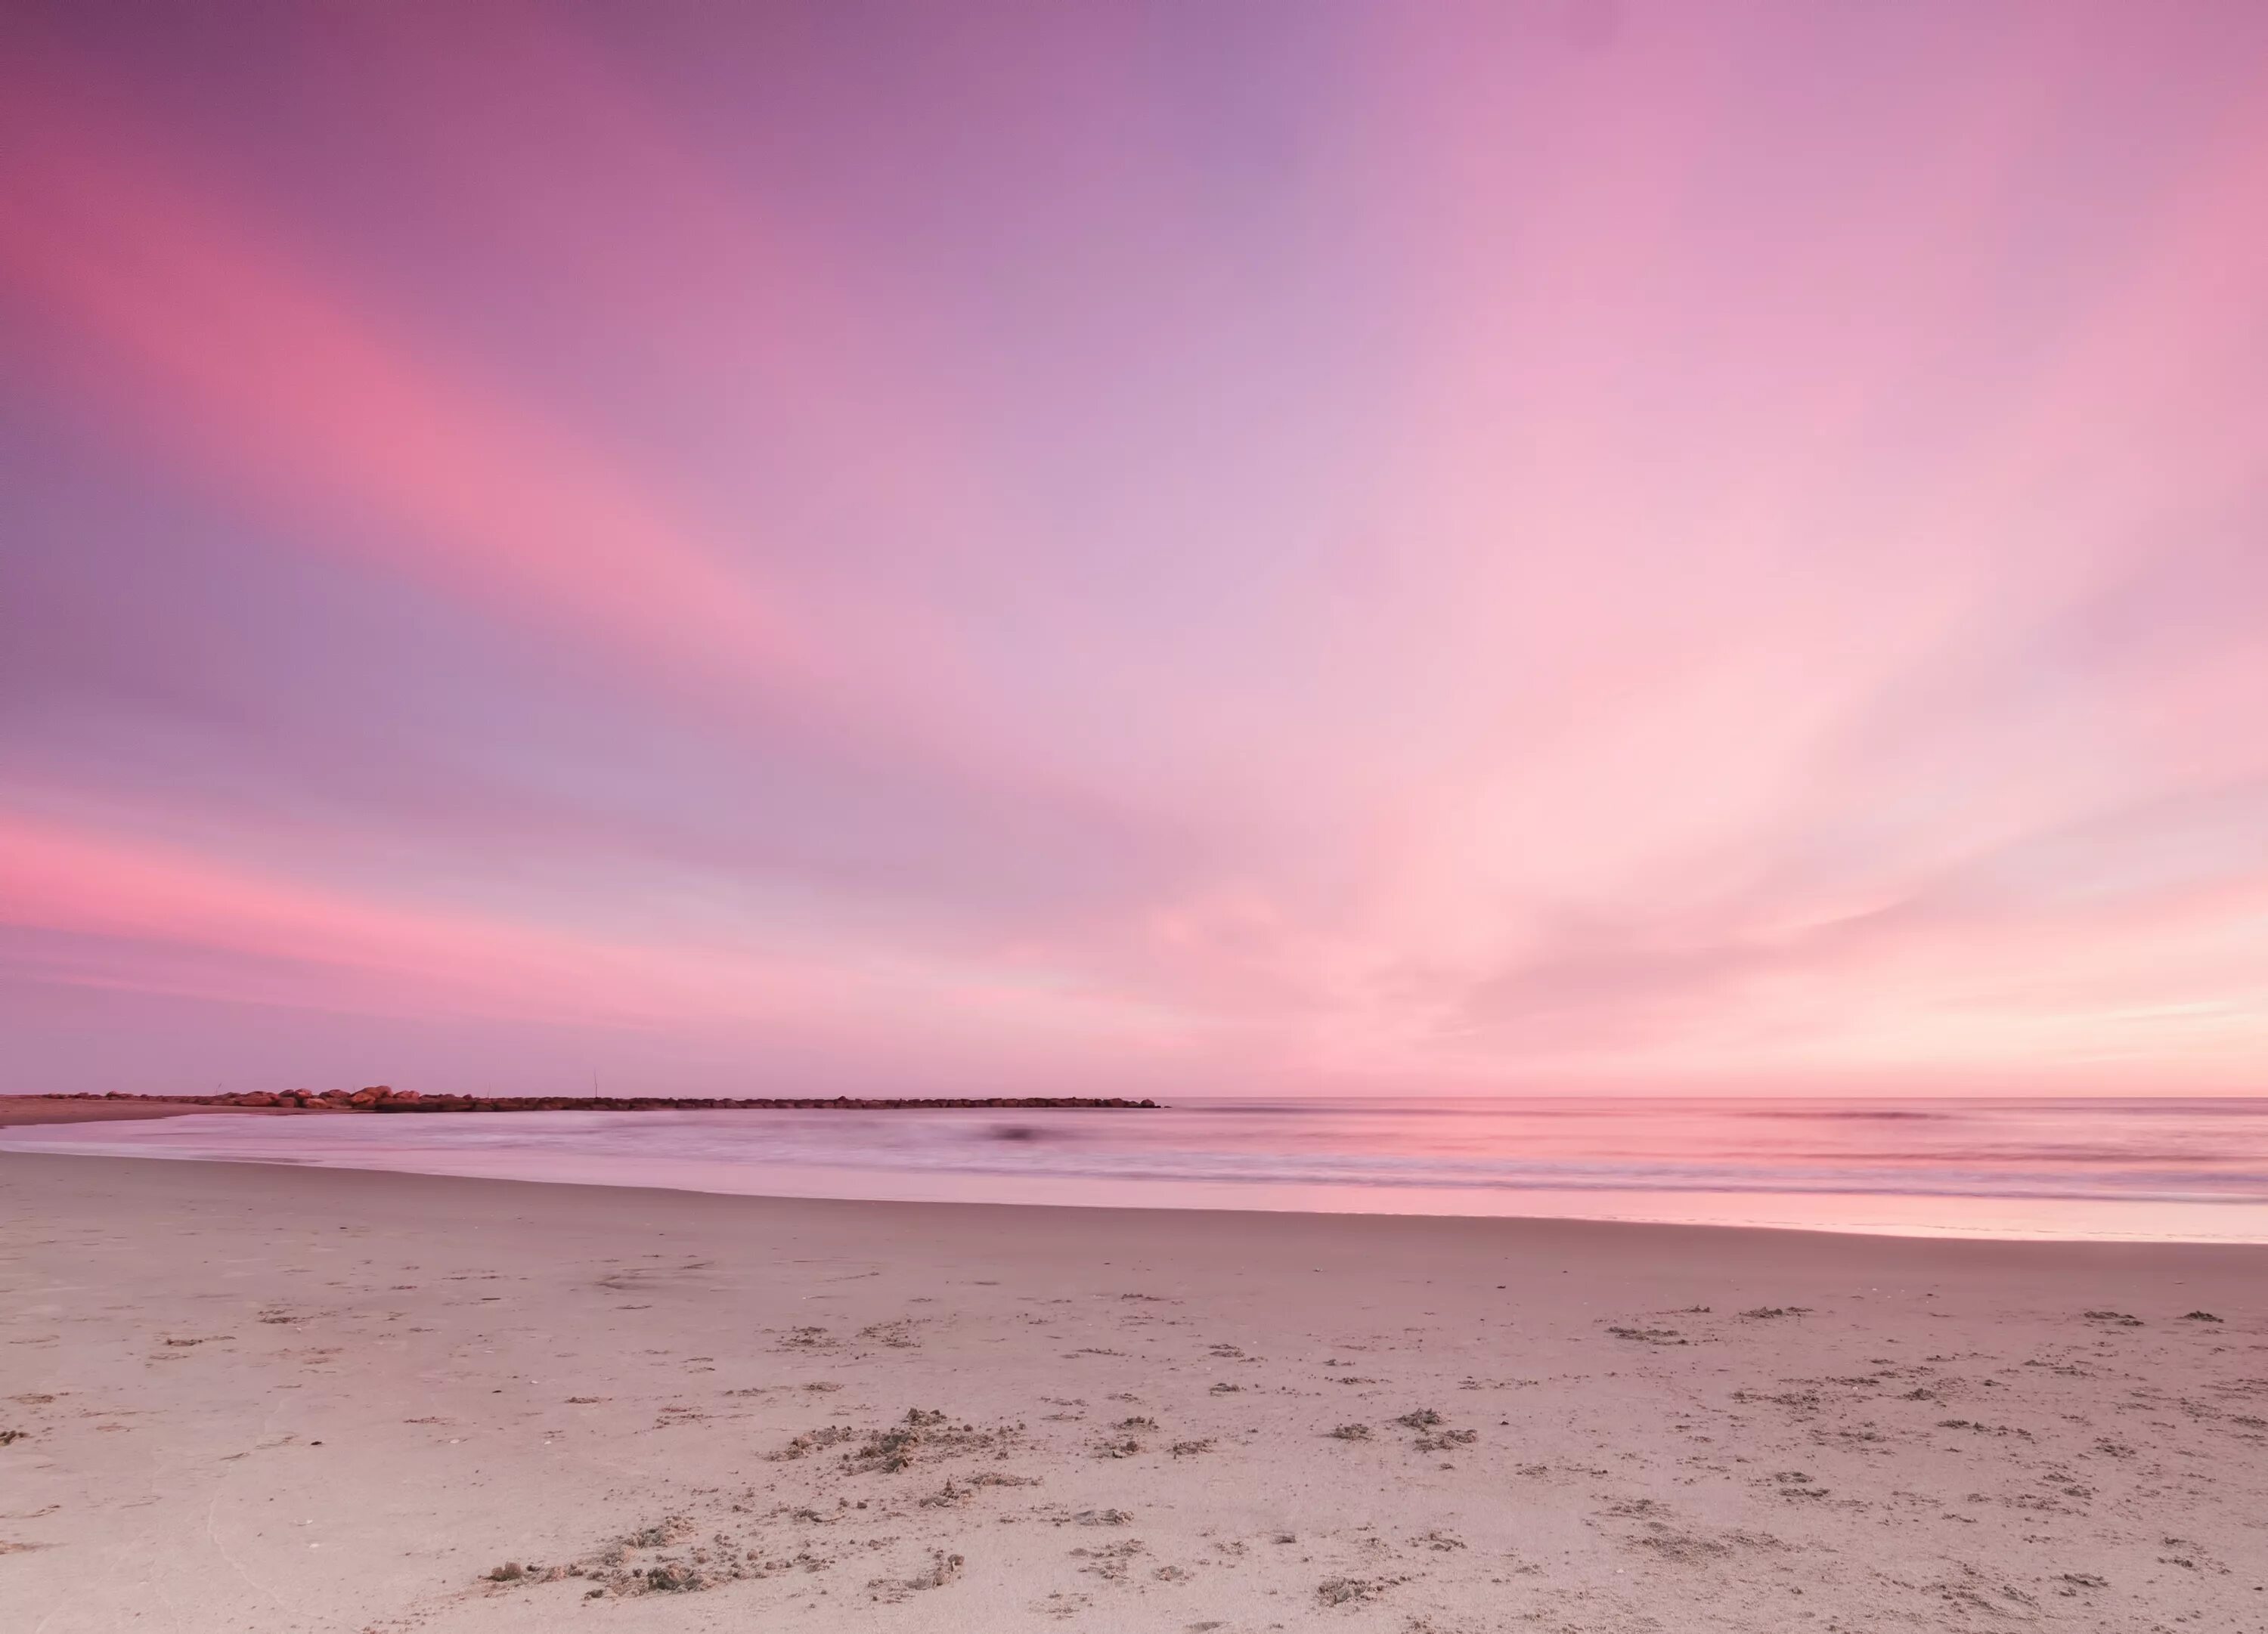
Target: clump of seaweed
[(812, 1441), (924, 1433), (942, 1569), (888, 1450), (1442, 1441), (674, 1577), (612, 1571)]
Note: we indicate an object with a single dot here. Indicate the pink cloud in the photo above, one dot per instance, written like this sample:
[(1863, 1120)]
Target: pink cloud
[(1422, 548)]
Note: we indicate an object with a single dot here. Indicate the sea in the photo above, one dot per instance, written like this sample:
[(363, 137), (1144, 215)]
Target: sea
[(2135, 1169)]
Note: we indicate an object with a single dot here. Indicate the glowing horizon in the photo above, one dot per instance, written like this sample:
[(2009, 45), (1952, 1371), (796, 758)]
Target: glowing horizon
[(1568, 546)]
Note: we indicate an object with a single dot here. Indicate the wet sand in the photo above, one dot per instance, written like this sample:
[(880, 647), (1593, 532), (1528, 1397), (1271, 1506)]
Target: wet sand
[(247, 1397)]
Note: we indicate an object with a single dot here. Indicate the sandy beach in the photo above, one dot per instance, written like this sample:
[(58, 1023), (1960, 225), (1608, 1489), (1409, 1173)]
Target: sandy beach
[(245, 1397)]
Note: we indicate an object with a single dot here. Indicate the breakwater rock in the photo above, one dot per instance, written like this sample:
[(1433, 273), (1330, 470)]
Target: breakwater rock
[(383, 1098)]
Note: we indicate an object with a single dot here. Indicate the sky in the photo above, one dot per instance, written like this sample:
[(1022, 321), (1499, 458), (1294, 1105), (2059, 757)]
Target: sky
[(1551, 546)]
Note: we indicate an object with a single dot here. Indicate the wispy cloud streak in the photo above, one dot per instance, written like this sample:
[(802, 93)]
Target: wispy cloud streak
[(1354, 548)]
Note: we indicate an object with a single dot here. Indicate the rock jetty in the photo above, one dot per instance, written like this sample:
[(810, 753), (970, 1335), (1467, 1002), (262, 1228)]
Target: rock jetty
[(383, 1098)]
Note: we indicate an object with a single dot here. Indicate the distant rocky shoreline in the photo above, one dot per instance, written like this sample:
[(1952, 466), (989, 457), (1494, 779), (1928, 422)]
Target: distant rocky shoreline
[(383, 1098)]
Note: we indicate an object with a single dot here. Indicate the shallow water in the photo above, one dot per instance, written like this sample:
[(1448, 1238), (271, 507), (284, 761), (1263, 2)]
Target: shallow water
[(2195, 1169)]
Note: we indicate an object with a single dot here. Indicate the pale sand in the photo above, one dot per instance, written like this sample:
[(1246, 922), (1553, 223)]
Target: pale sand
[(258, 1399)]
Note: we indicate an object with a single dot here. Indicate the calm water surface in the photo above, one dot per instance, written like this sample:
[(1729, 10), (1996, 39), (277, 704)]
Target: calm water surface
[(2184, 1169)]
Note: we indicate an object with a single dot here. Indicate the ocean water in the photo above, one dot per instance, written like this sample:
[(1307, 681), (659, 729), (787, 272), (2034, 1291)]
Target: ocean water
[(2143, 1169)]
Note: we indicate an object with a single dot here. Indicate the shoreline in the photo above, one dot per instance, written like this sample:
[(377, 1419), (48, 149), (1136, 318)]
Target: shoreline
[(1917, 1216), (2249, 1258), (255, 1397)]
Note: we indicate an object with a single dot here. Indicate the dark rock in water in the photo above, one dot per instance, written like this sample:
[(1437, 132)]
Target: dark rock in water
[(1015, 1131)]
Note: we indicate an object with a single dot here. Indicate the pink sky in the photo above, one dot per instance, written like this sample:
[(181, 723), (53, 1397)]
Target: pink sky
[(857, 548)]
